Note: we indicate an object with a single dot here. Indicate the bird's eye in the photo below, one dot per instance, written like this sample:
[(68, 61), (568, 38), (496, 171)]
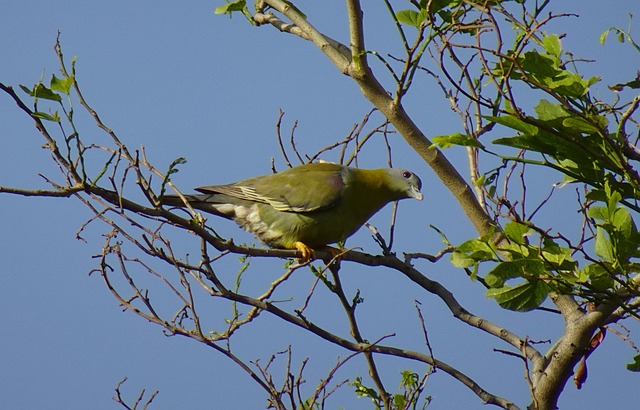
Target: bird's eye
[(407, 174)]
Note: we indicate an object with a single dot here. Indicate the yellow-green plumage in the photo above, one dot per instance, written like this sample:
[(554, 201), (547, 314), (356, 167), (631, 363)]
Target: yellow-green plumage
[(313, 204)]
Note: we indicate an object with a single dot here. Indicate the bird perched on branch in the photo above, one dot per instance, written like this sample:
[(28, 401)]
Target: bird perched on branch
[(306, 207)]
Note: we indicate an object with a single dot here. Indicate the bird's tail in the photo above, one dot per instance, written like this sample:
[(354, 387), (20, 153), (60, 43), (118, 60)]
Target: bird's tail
[(211, 203)]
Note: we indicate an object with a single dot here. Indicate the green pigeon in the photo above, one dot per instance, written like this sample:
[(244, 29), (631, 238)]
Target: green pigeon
[(306, 207)]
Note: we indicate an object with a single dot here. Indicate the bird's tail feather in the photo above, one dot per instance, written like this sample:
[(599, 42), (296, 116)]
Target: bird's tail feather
[(204, 202)]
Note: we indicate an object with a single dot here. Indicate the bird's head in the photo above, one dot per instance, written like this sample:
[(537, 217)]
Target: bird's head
[(406, 183)]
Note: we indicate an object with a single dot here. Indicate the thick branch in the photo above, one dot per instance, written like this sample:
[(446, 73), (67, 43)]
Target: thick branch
[(321, 41), (567, 352), (270, 18)]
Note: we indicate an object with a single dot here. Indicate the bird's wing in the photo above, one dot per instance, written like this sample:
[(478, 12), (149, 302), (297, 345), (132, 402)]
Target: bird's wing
[(301, 189)]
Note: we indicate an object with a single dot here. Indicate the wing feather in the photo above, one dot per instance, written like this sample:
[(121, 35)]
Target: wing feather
[(306, 188)]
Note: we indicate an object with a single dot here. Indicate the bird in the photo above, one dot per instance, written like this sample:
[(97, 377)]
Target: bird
[(306, 207)]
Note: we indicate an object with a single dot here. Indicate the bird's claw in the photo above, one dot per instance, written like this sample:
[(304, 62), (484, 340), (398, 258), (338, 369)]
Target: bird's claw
[(307, 254)]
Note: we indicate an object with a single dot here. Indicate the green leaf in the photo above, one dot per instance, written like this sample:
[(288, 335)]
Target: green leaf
[(600, 213), (622, 35), (41, 91), (585, 170), (568, 84), (438, 5), (471, 252), (62, 85), (580, 125), (521, 298), (411, 17), (504, 271), (25, 89), (409, 379), (46, 116), (626, 189), (552, 45), (482, 181), (558, 256), (514, 123), (599, 121), (516, 232), (598, 276), (625, 235), (530, 142), (635, 366), (539, 65), (634, 84), (364, 391), (603, 246), (309, 404), (547, 111), (399, 401), (238, 5), (623, 223), (446, 141), (462, 260), (546, 69), (603, 36), (613, 198)]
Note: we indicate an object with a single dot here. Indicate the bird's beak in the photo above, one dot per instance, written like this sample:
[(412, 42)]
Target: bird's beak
[(415, 193)]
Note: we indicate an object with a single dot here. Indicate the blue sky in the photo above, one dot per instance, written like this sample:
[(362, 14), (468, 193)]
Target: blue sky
[(181, 81)]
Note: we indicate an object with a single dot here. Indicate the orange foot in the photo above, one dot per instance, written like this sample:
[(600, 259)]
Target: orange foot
[(306, 252), (310, 254)]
